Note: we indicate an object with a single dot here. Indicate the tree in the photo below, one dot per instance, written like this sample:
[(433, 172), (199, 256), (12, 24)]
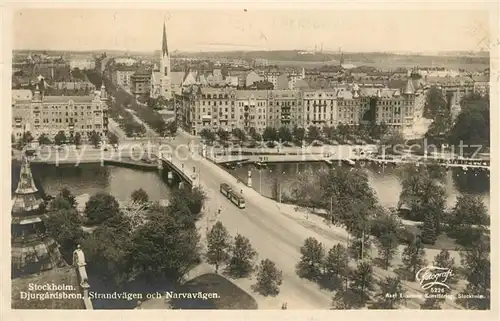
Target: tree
[(307, 191), (435, 103), (392, 293), (428, 228), (285, 134), (44, 140), (311, 261), (223, 135), (207, 135), (101, 207), (172, 127), (95, 139), (349, 198), (414, 258), (70, 198), (59, 203), (140, 196), (112, 138), (468, 219), (362, 282), (269, 278), (165, 247), (219, 245), (60, 138), (336, 264), (270, 134), (345, 299), (77, 139), (313, 133), (472, 126), (242, 257), (377, 131), (387, 248), (391, 142), (360, 245), (64, 224), (193, 199), (253, 133), (239, 134), (386, 229), (475, 259), (444, 260), (299, 134), (424, 196), (27, 137)]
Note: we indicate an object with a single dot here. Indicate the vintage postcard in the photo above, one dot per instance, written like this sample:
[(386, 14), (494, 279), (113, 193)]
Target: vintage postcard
[(252, 158)]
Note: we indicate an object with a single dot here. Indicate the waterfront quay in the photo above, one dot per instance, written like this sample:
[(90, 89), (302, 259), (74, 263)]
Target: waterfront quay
[(350, 154), (140, 158)]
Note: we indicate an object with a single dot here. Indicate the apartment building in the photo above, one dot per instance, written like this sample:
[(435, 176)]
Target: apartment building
[(229, 108), (122, 75), (252, 109), (284, 108), (40, 114), (140, 83), (320, 107)]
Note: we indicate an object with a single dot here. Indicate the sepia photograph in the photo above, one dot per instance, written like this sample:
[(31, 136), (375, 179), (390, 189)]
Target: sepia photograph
[(250, 159)]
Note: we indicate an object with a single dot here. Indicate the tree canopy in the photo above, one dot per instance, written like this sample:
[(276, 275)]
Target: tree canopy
[(472, 126), (139, 196), (100, 207)]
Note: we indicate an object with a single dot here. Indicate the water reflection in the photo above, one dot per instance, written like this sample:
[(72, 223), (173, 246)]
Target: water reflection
[(92, 178)]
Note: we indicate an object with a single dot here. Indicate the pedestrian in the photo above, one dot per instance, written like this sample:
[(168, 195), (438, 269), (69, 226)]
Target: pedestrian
[(241, 191)]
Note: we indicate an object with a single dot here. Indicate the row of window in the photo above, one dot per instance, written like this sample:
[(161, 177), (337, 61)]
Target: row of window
[(66, 120), (66, 107)]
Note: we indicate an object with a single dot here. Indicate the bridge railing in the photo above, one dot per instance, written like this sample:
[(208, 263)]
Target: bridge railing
[(190, 173)]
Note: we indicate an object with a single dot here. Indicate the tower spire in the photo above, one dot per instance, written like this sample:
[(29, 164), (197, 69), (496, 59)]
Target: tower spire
[(164, 47), (26, 185)]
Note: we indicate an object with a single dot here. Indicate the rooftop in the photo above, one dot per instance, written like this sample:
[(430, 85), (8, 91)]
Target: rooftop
[(65, 99), (256, 94), (177, 77), (21, 94)]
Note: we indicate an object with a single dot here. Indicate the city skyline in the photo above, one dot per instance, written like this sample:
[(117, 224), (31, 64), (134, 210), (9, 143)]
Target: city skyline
[(216, 30)]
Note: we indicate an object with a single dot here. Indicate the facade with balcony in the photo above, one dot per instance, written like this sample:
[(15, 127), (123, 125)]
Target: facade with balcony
[(71, 114)]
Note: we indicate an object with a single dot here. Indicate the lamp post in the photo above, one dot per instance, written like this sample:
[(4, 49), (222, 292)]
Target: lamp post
[(260, 180)]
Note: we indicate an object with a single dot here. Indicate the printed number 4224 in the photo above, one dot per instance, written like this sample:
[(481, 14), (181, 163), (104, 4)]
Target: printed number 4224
[(437, 290)]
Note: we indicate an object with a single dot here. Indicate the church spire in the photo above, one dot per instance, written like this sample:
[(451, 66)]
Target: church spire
[(164, 47)]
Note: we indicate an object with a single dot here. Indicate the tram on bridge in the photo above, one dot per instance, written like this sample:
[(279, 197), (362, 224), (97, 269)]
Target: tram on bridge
[(232, 195)]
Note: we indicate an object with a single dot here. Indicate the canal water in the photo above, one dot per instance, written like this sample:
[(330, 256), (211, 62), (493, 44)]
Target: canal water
[(121, 182), (88, 179), (386, 181)]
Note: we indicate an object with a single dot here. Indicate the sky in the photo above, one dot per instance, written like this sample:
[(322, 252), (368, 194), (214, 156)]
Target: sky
[(237, 29)]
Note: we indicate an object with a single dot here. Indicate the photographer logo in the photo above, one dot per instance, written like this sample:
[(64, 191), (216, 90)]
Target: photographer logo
[(431, 276)]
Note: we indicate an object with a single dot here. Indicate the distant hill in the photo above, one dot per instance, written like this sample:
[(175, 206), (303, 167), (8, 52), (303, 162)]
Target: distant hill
[(296, 55), (384, 60)]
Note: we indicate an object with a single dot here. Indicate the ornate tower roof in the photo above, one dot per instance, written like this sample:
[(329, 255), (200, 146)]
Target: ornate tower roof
[(26, 198), (164, 47), (409, 89)]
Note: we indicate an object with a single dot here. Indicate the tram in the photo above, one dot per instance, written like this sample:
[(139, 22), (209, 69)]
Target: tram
[(232, 195)]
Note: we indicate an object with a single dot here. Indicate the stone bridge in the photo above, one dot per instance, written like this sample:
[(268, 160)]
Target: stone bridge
[(177, 172)]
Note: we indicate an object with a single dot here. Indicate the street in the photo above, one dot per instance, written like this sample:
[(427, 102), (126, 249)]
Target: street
[(273, 234)]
